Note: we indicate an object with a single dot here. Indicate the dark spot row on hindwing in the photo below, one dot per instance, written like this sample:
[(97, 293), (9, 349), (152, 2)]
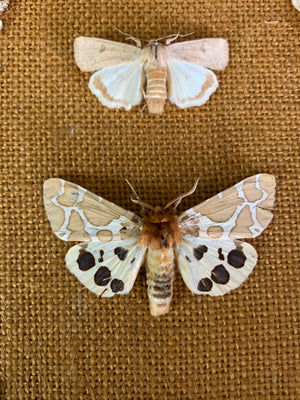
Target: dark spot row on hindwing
[(85, 260), (236, 258), (199, 251), (219, 275), (221, 255), (100, 259), (205, 285), (117, 285), (102, 278), (121, 253)]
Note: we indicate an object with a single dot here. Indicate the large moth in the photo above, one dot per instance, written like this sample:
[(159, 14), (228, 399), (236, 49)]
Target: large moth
[(178, 71), (203, 241)]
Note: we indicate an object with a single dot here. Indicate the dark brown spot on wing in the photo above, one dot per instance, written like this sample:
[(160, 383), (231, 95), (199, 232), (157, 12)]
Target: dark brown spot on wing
[(205, 285), (100, 259), (220, 275), (199, 251), (102, 276), (188, 259), (116, 285), (221, 255), (121, 253), (236, 258), (86, 260)]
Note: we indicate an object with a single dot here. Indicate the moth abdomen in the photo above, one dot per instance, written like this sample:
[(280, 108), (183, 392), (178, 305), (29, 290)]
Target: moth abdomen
[(160, 275), (156, 91)]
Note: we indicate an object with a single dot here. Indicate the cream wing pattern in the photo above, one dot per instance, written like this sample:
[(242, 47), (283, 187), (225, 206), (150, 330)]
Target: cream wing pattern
[(242, 211), (75, 214)]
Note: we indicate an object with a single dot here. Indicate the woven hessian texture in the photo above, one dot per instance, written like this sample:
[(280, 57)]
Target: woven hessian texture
[(59, 340)]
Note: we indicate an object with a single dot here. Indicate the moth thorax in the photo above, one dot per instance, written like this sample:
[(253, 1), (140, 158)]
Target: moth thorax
[(160, 276), (156, 91)]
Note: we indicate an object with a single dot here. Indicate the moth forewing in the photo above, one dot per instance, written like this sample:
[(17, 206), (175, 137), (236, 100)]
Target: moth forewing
[(209, 53), (92, 54)]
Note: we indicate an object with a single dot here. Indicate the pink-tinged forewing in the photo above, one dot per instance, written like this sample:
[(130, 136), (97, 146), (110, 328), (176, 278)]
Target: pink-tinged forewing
[(242, 211), (75, 214), (209, 53), (92, 54)]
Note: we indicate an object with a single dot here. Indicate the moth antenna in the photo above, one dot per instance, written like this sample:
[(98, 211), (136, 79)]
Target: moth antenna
[(130, 37), (176, 36), (178, 199), (134, 192), (138, 200)]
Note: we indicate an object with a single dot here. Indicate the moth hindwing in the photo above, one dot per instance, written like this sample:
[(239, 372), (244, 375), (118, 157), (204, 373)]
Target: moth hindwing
[(204, 240), (180, 72)]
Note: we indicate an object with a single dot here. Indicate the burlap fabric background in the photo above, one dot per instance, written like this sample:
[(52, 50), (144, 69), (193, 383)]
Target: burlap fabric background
[(60, 341)]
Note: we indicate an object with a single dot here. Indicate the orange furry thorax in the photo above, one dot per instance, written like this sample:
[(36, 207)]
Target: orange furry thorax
[(160, 229)]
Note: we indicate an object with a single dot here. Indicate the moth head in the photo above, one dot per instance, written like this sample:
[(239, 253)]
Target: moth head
[(169, 208)]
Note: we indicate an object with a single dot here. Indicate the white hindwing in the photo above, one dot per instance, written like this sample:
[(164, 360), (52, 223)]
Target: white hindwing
[(190, 83), (242, 211), (106, 268), (119, 86), (214, 267), (119, 79), (75, 214)]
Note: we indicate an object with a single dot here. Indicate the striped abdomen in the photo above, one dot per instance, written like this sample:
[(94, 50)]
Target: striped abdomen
[(160, 275), (156, 91)]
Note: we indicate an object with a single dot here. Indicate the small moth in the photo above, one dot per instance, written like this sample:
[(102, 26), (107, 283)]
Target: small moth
[(204, 241), (176, 71)]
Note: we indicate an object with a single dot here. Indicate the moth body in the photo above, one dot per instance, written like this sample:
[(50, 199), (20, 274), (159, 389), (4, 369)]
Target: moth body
[(160, 234), (160, 275), (156, 74)]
